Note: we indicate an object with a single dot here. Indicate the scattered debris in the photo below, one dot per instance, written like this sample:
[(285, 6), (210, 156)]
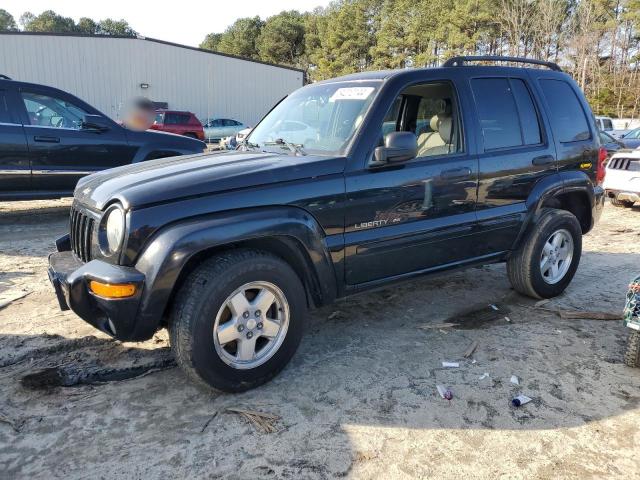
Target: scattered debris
[(65, 376), (204, 427), (450, 364), (8, 421), (477, 316), (470, 349), (507, 319), (520, 400), (515, 380), (444, 392), (264, 422), (334, 315), (587, 315), (474, 361), (4, 302), (540, 303), (483, 376), (437, 325)]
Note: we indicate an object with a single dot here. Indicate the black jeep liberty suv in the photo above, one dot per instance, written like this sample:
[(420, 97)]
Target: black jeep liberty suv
[(395, 174)]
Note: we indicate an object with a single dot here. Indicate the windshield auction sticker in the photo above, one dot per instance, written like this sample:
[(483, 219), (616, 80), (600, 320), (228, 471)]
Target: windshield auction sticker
[(352, 93)]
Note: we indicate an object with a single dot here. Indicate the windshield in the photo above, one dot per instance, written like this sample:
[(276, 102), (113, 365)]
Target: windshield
[(316, 119)]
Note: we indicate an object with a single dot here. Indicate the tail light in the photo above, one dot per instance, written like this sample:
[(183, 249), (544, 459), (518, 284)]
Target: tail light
[(600, 172)]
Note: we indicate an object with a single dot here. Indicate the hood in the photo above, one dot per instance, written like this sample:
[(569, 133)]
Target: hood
[(172, 178)]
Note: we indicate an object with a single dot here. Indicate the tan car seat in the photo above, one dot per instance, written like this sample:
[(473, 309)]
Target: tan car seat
[(437, 141)]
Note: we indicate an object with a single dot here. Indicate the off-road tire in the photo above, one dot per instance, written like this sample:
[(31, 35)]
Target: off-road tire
[(523, 265), (197, 302), (632, 353), (621, 203)]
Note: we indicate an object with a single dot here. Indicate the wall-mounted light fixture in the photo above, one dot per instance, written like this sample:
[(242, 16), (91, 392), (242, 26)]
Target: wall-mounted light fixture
[(144, 86)]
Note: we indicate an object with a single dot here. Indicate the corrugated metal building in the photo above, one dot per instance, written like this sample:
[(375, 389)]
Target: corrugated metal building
[(106, 72)]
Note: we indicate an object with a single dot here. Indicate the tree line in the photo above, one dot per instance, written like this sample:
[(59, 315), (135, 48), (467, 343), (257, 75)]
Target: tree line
[(50, 22), (596, 41)]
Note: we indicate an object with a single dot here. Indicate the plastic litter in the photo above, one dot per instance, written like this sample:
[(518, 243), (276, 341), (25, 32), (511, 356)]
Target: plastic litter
[(520, 400), (444, 392), (450, 364), (483, 376), (515, 380), (494, 307)]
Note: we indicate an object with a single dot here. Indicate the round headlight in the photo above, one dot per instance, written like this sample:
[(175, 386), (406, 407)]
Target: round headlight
[(114, 227)]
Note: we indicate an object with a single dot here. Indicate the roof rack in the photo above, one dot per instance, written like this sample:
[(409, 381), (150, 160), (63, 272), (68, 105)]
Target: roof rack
[(4, 77), (460, 61)]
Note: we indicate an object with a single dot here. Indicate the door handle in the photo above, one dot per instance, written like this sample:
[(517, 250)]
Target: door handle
[(543, 160), (40, 138), (462, 172)]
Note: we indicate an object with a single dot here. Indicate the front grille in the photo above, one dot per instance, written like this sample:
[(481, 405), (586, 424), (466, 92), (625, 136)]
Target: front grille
[(620, 163), (81, 231)]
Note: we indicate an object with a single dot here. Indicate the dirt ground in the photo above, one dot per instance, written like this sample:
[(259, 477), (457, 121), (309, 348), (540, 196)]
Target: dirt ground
[(358, 400)]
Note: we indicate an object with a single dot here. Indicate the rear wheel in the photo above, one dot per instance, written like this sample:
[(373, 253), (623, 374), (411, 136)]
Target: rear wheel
[(546, 261), (632, 354), (621, 203), (237, 320)]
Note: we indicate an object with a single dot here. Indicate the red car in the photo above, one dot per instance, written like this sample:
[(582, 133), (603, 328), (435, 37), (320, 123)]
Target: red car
[(182, 123)]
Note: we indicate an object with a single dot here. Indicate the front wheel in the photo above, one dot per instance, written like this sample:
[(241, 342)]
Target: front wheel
[(546, 261), (237, 320)]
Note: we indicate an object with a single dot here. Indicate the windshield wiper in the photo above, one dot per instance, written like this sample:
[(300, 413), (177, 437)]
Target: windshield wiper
[(294, 147)]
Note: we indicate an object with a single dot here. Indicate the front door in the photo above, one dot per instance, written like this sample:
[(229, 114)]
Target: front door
[(417, 215), (61, 152)]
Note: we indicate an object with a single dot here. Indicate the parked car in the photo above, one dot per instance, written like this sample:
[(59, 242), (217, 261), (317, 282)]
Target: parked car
[(50, 139), (610, 144), (217, 128), (180, 123), (631, 139), (604, 124), (622, 181), (230, 254)]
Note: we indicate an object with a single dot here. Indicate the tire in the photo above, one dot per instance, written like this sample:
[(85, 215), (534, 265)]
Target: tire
[(621, 203), (199, 308), (524, 265), (632, 353)]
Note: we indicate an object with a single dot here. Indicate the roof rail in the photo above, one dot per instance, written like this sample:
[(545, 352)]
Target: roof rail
[(4, 77), (460, 61)]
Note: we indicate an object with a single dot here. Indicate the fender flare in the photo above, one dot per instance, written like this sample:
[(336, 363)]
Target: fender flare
[(167, 253), (552, 186)]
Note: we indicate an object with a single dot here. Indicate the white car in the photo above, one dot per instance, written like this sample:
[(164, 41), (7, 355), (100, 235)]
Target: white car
[(622, 179), (240, 136)]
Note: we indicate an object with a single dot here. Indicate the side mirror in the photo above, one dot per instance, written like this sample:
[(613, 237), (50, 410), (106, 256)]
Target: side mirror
[(95, 123), (398, 147)]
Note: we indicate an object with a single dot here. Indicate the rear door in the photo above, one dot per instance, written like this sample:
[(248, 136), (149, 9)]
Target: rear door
[(60, 151), (516, 151), (15, 172)]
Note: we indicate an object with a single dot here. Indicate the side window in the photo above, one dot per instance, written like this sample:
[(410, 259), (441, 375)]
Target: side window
[(5, 114), (607, 124), (184, 118), (528, 116), (430, 111), (497, 113), (567, 116), (171, 119), (216, 123), (159, 120), (47, 111)]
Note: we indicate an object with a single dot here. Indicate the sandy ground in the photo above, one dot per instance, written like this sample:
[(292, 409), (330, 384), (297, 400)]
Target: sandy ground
[(359, 398)]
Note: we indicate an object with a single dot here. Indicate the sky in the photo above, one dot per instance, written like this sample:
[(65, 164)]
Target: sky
[(185, 22)]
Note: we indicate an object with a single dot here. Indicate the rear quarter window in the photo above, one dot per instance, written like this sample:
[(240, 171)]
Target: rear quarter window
[(568, 118)]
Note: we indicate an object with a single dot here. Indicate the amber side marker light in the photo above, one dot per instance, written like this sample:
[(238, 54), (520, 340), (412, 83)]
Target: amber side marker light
[(108, 290)]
